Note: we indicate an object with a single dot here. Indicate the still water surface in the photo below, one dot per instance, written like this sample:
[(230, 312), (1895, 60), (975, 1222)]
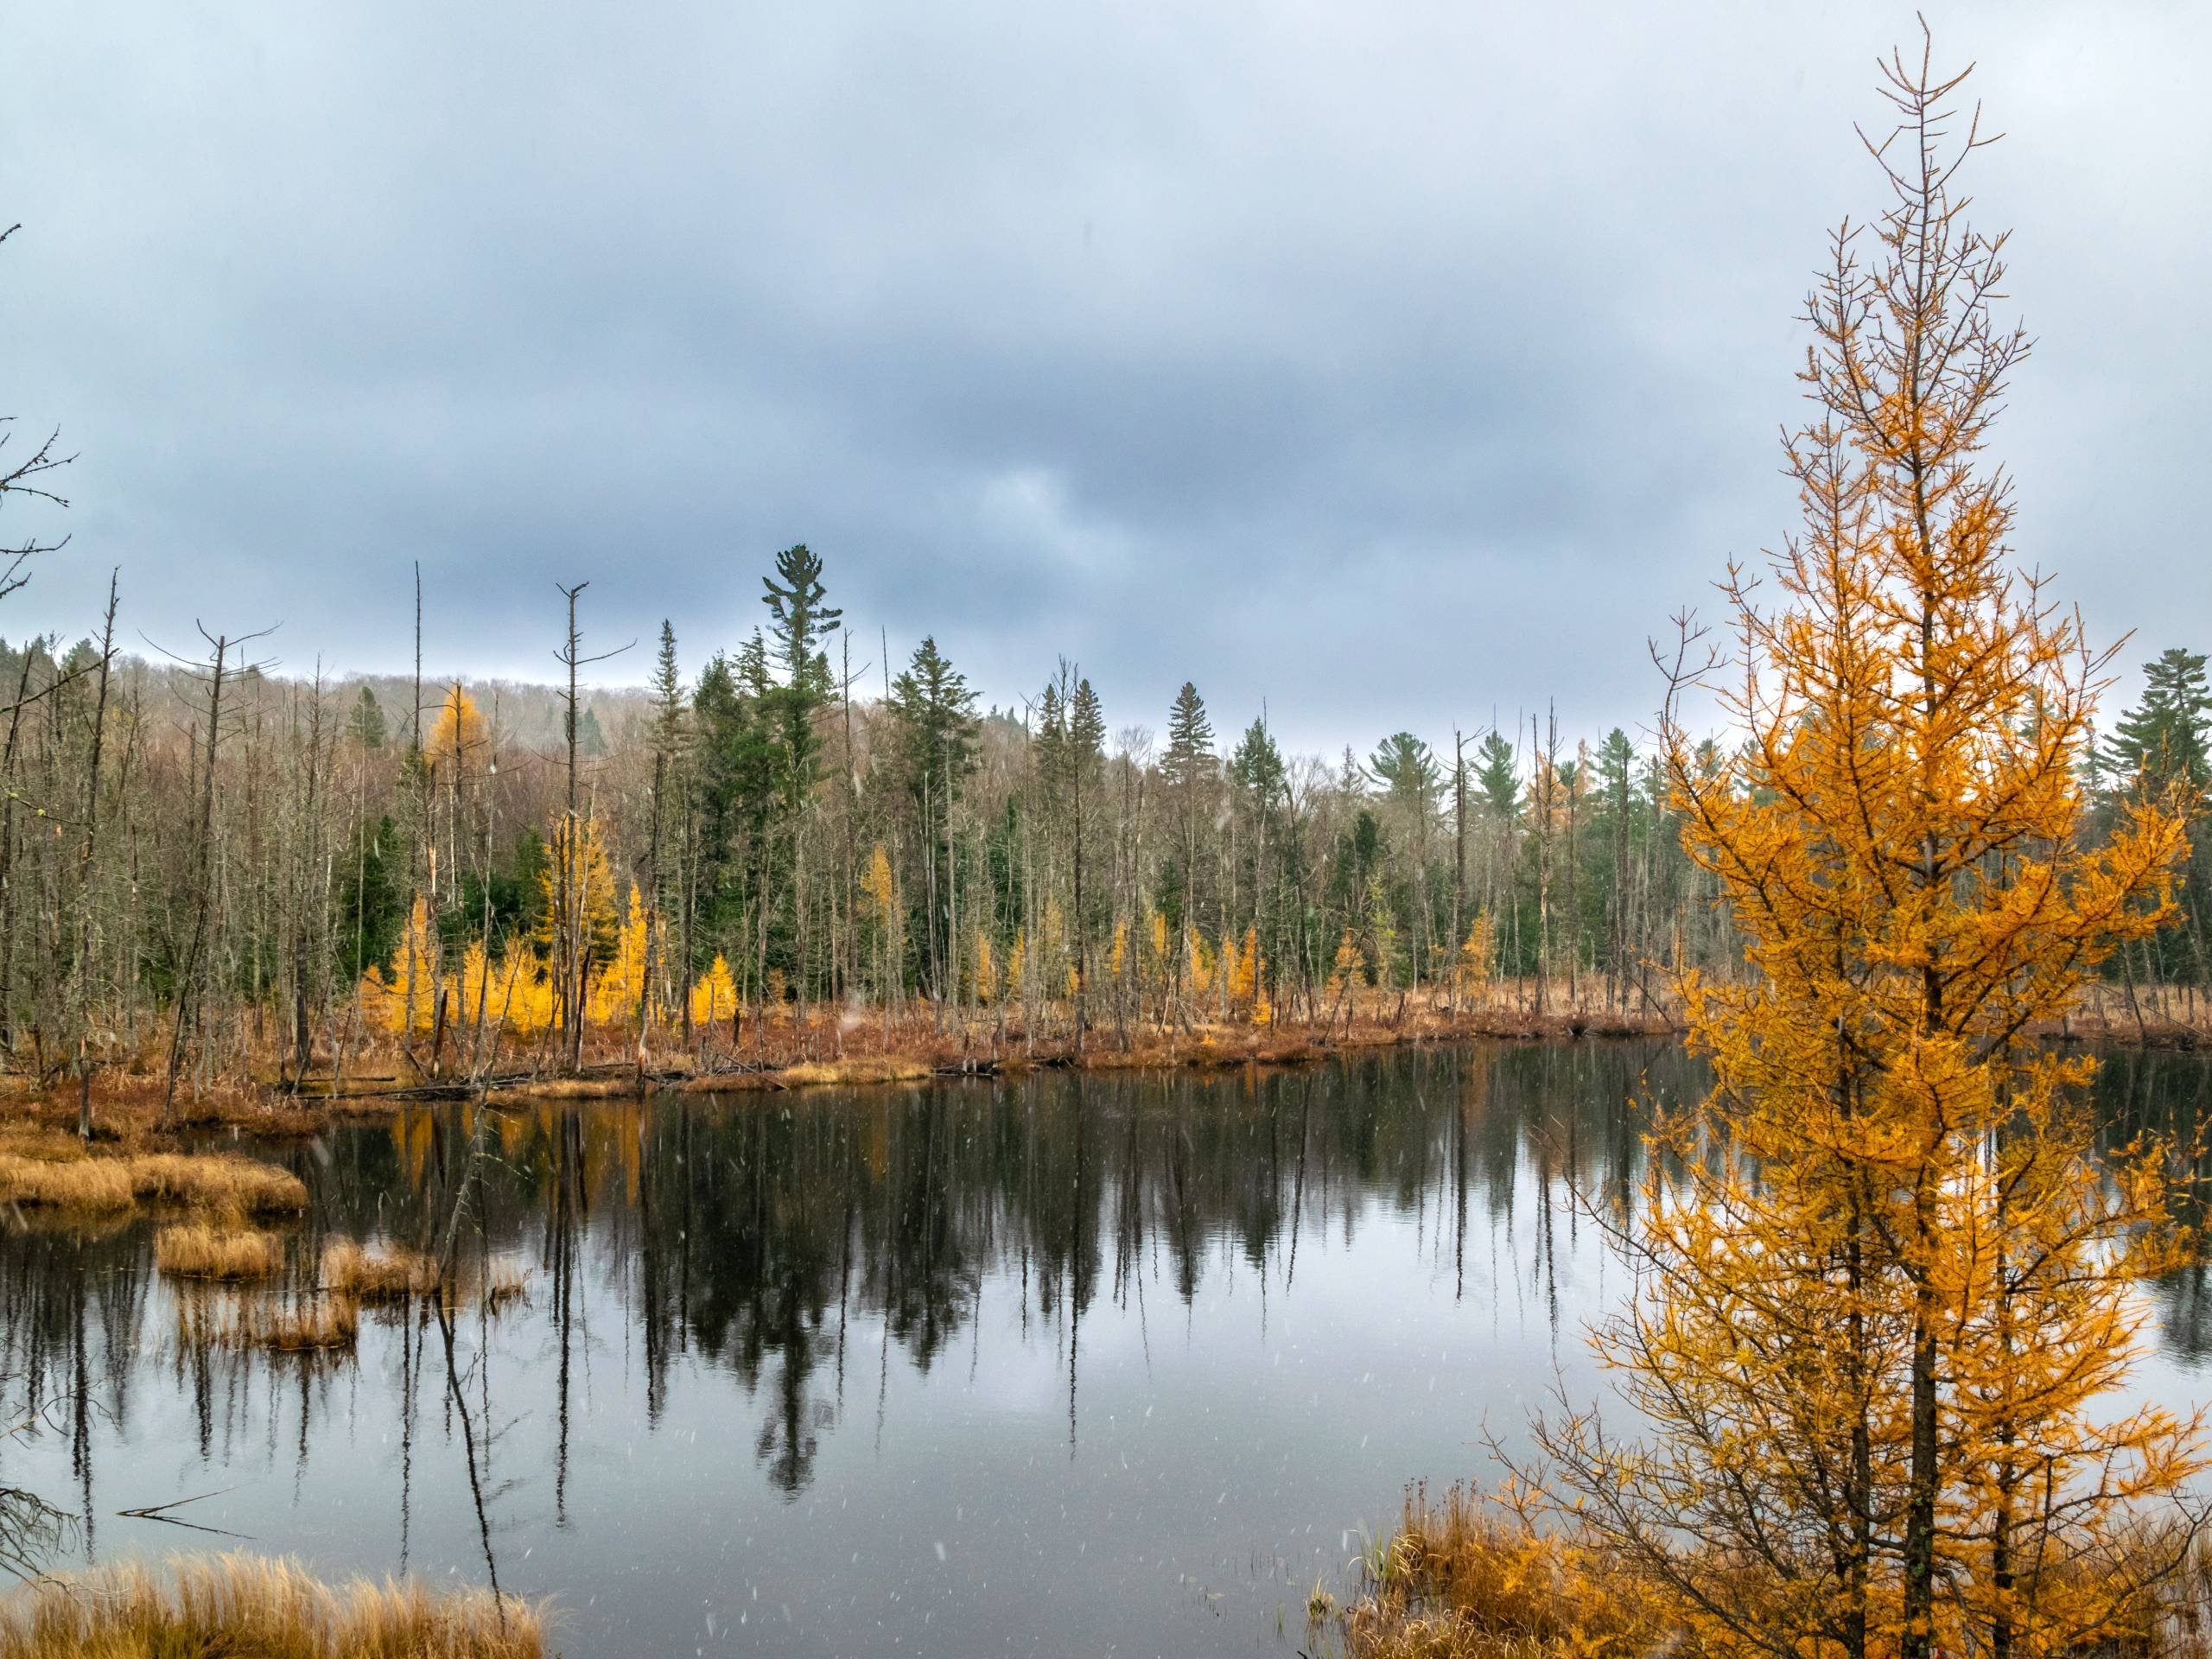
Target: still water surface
[(1066, 1365)]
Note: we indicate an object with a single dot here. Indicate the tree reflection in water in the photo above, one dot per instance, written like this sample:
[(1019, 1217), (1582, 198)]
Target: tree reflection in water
[(777, 1248)]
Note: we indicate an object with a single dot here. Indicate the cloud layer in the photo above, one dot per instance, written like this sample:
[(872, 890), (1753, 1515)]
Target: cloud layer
[(1395, 365)]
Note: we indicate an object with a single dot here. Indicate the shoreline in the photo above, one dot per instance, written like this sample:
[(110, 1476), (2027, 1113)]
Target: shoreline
[(852, 1053)]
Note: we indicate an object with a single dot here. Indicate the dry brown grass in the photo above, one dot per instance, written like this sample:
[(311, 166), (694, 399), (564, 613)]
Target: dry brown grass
[(218, 1181), (92, 1185), (332, 1323), (197, 1249), (56, 1170), (1464, 1579), (205, 1606), (565, 1089), (386, 1273), (870, 1068)]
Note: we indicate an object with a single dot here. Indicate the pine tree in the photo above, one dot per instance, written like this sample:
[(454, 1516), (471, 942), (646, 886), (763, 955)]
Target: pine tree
[(1086, 752), (1496, 776), (799, 622), (2161, 743), (934, 716), (671, 824), (1188, 770), (365, 724)]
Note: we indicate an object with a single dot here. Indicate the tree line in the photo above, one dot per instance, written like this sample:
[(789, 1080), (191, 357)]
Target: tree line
[(207, 856)]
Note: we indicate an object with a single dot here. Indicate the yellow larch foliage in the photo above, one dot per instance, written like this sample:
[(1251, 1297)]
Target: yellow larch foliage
[(1887, 1289), (1017, 967), (1348, 967), (405, 996), (1198, 961), (1117, 956), (1476, 954), (714, 996), (875, 883), (458, 730), (984, 975), (583, 899), (521, 994), (1242, 963), (375, 999), (1382, 930), (469, 986), (622, 981)]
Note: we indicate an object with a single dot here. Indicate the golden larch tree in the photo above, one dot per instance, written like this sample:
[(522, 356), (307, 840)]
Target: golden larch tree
[(1886, 1287), (714, 996), (459, 735)]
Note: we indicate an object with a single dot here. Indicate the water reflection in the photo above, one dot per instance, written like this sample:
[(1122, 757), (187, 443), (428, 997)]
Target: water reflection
[(1318, 1280)]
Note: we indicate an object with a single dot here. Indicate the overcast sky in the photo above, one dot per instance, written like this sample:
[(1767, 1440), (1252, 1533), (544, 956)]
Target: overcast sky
[(1395, 363)]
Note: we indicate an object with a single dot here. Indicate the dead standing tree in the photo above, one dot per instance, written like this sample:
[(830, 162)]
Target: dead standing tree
[(25, 479), (572, 864), (87, 869), (211, 672)]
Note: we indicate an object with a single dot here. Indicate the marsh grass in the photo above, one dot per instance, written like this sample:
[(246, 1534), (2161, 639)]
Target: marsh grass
[(200, 1250), (1468, 1577), (392, 1272), (863, 1069), (53, 1171), (272, 1609), (1465, 1577), (88, 1185), (304, 1327), (386, 1273), (218, 1181)]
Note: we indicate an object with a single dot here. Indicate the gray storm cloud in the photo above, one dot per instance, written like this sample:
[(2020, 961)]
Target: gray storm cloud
[(1393, 363)]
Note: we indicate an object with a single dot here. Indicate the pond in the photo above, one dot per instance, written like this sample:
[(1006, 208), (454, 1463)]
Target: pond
[(1057, 1365)]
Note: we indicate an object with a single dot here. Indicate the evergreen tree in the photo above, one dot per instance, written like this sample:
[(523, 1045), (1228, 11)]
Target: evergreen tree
[(364, 725), (1190, 758), (934, 722), (1086, 728), (1495, 779), (1086, 746), (2161, 743), (1403, 765), (671, 821), (935, 713), (668, 697), (372, 905), (799, 622), (1188, 767), (590, 739), (1256, 766)]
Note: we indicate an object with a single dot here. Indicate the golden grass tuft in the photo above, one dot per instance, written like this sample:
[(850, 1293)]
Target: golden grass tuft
[(198, 1250), (387, 1272), (271, 1609), (56, 1172), (864, 1069), (218, 1181), (330, 1322), (94, 1185), (1468, 1579)]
